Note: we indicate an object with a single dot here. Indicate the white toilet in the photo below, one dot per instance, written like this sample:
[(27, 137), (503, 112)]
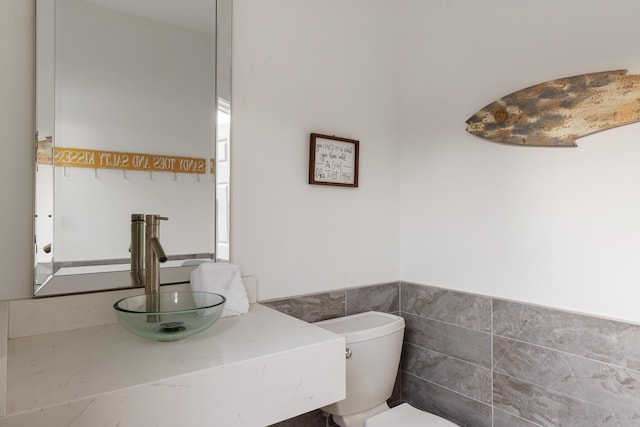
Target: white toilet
[(374, 344)]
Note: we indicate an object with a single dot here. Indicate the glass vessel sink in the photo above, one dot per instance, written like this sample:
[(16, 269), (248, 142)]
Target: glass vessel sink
[(169, 316)]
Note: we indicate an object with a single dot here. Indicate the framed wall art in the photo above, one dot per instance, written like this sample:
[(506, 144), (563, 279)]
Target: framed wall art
[(333, 161)]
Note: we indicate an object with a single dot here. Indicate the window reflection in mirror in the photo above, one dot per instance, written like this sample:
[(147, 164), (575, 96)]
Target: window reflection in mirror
[(126, 120)]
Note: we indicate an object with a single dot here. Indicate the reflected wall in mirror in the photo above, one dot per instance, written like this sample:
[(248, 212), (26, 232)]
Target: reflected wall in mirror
[(126, 123)]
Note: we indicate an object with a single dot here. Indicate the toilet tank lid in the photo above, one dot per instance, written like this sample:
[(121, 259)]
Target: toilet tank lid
[(363, 326)]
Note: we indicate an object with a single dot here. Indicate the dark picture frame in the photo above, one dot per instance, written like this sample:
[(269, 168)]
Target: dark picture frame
[(333, 160)]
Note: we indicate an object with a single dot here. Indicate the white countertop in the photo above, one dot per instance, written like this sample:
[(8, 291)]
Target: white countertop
[(253, 370)]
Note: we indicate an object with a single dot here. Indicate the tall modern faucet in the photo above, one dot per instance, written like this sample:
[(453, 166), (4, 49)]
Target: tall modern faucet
[(153, 254), (146, 252)]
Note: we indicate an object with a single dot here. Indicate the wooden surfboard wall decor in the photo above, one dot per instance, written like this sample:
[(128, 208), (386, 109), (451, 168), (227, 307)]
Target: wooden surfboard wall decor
[(557, 112)]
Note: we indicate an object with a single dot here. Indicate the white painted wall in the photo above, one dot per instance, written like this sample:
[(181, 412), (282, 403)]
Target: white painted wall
[(16, 139), (326, 66), (550, 226), (554, 226)]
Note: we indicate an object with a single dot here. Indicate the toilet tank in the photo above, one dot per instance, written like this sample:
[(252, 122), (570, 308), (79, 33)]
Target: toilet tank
[(374, 344)]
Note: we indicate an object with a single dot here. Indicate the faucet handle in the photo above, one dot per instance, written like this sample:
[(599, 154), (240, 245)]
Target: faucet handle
[(154, 218)]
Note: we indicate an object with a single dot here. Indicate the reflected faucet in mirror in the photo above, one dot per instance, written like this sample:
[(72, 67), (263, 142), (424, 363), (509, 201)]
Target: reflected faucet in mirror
[(137, 249), (146, 252)]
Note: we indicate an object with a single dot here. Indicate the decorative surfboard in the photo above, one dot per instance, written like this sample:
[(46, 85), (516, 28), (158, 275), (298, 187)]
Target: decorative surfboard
[(557, 112)]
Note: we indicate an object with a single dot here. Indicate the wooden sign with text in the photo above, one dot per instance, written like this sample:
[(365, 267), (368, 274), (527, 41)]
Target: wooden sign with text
[(97, 159)]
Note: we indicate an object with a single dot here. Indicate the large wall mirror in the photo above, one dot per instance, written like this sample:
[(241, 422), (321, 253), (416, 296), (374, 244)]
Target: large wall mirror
[(133, 117)]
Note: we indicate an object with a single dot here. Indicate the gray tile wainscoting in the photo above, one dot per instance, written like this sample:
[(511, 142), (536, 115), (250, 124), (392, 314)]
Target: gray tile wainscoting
[(329, 305), (503, 419), (482, 361), (558, 368), (446, 362), (542, 366), (312, 308)]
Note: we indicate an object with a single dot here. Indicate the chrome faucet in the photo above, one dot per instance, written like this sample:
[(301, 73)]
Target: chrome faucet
[(146, 252), (153, 254)]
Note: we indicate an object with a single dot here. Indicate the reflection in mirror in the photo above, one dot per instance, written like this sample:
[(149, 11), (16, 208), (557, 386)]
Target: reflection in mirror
[(126, 122), (223, 129)]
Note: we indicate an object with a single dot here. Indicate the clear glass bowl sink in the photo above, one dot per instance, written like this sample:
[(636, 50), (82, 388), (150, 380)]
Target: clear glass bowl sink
[(169, 316)]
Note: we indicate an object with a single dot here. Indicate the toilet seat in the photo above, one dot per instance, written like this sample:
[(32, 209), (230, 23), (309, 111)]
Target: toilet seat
[(406, 415)]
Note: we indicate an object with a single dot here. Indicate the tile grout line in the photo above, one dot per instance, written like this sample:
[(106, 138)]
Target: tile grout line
[(403, 335), (447, 388), (493, 420), (575, 398), (448, 323), (449, 356), (346, 310), (568, 353)]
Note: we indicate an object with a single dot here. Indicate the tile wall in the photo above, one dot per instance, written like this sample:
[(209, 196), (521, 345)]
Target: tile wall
[(487, 362), (446, 359)]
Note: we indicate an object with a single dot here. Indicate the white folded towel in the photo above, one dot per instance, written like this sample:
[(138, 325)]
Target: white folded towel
[(222, 278)]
